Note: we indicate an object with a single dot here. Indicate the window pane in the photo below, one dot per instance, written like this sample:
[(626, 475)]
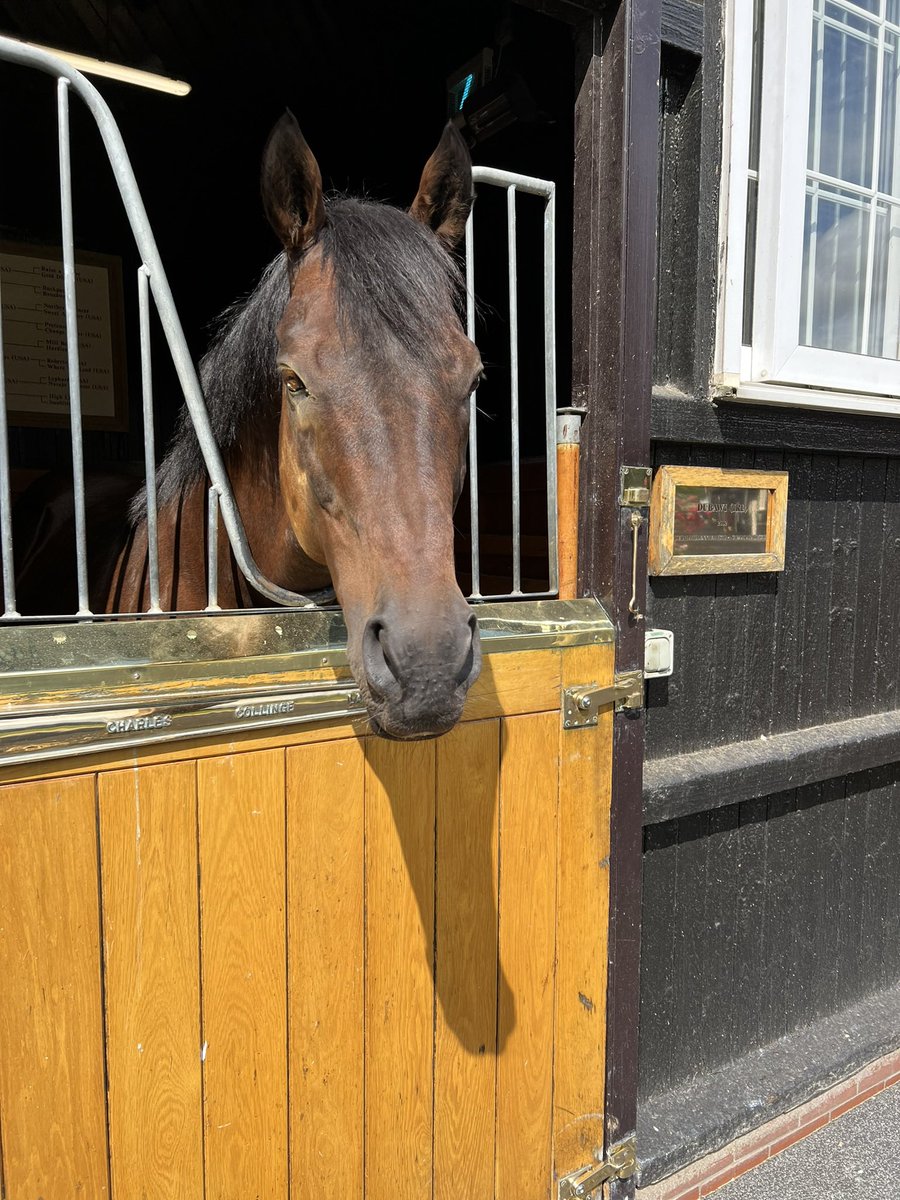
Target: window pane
[(753, 168), (835, 244), (842, 108), (759, 28), (884, 318), (750, 260), (889, 156), (850, 291)]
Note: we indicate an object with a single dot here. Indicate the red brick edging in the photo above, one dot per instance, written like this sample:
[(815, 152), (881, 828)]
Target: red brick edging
[(708, 1174)]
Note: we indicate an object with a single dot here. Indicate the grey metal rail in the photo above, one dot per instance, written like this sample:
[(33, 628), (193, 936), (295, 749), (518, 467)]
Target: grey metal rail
[(514, 183), (6, 537)]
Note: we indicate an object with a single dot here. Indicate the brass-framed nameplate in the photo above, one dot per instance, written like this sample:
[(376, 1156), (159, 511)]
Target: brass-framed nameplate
[(29, 738), (713, 521), (106, 685)]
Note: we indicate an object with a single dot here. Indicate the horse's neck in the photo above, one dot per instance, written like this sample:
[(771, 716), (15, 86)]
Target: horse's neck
[(182, 540), (274, 547)]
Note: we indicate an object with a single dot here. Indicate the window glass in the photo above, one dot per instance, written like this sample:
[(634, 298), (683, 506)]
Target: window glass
[(753, 168), (850, 287), (842, 95), (835, 240)]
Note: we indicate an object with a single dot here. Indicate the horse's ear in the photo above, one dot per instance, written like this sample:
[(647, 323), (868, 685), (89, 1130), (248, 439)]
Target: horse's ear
[(445, 194), (292, 186)]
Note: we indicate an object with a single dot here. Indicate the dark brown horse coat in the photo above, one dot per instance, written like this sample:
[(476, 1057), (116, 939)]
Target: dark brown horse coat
[(338, 393)]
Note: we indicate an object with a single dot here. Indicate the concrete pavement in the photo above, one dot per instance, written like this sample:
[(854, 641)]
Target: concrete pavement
[(855, 1156)]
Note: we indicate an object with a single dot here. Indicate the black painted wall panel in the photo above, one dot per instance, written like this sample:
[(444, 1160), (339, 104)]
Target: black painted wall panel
[(762, 917), (676, 309), (776, 912), (769, 653)]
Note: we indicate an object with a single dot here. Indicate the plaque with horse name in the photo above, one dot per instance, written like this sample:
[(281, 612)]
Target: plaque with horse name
[(712, 520)]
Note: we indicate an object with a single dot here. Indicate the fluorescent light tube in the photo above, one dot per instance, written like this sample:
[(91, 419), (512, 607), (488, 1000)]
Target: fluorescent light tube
[(96, 66)]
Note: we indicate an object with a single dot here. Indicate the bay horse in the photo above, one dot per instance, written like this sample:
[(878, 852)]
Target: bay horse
[(338, 392)]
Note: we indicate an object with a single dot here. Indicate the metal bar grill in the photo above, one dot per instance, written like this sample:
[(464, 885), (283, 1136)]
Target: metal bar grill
[(149, 438), (69, 284), (212, 551), (6, 537), (473, 416), (514, 389), (152, 284), (550, 387), (514, 183)]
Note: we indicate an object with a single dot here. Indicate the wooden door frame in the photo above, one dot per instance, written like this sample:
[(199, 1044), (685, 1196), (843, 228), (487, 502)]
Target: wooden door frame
[(614, 278), (613, 326)]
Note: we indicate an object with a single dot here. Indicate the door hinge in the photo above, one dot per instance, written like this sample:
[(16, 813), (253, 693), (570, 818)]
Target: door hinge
[(621, 1163), (582, 703)]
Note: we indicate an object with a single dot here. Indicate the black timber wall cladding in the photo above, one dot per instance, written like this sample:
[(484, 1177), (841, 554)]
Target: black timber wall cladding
[(780, 911), (771, 887), (765, 916), (764, 654)]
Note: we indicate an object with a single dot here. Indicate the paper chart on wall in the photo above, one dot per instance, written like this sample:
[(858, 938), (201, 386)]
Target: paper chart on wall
[(34, 336)]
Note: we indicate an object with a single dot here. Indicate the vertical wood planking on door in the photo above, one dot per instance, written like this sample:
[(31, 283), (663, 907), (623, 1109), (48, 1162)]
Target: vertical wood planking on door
[(52, 1093), (400, 778), (364, 933), (325, 888), (148, 850), (528, 839), (468, 763), (585, 779), (241, 805)]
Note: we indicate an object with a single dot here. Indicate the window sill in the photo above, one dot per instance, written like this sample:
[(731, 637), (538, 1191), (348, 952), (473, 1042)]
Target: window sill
[(800, 397)]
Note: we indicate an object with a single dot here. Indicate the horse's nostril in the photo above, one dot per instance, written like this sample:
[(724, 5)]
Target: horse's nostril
[(471, 665), (386, 653), (468, 663), (381, 670), (420, 664)]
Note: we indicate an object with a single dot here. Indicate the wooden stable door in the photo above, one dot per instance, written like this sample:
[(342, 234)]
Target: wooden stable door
[(312, 964)]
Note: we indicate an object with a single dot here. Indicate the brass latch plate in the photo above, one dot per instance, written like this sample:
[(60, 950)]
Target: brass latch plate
[(635, 490), (582, 703), (621, 1163)]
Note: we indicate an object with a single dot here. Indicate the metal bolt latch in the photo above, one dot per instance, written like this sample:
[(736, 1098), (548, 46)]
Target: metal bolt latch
[(581, 705), (621, 1163)]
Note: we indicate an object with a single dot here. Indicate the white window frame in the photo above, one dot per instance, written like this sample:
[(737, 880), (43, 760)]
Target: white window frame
[(776, 368)]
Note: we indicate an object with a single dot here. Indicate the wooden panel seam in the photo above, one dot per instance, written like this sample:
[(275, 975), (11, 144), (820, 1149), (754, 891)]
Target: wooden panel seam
[(52, 1069), (152, 990), (241, 829)]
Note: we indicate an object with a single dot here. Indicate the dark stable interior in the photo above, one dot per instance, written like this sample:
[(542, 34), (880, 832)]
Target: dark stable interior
[(368, 84)]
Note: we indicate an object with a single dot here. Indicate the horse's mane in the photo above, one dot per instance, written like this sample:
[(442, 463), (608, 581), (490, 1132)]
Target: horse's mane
[(394, 284)]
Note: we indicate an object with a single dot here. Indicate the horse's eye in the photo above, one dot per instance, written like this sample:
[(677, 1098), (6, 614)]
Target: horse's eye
[(295, 385), (479, 378)]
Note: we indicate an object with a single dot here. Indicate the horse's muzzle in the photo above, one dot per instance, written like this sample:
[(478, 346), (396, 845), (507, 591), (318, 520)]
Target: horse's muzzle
[(418, 668)]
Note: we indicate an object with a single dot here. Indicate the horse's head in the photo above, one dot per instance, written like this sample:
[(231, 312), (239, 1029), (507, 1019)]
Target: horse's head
[(376, 375)]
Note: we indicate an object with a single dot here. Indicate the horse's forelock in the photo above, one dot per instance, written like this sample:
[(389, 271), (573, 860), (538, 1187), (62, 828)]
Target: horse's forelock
[(396, 287)]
